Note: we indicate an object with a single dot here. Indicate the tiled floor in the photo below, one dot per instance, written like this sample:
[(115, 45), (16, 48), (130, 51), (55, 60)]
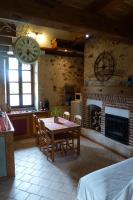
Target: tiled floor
[(39, 179)]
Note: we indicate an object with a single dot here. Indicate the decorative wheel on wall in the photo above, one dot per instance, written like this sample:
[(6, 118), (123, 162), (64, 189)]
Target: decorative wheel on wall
[(104, 66)]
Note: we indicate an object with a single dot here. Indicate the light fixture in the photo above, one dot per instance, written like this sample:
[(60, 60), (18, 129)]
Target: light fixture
[(31, 34), (65, 50), (87, 35), (39, 37)]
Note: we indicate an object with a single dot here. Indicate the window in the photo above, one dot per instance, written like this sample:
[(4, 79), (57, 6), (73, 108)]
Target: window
[(19, 84)]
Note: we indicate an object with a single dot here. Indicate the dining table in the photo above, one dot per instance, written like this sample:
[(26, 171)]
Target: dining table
[(61, 127)]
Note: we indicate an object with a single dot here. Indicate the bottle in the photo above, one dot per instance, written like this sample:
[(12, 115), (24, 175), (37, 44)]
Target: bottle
[(46, 104), (40, 105), (1, 113)]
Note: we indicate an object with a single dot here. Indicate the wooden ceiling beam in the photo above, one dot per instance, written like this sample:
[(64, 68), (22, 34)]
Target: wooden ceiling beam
[(97, 5), (70, 44), (6, 41), (111, 4), (61, 52), (62, 17)]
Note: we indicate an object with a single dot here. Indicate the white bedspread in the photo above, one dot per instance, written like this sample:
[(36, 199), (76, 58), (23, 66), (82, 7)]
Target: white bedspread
[(126, 193), (110, 183)]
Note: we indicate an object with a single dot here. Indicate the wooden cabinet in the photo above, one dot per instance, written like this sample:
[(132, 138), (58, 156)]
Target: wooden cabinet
[(3, 171), (42, 114), (23, 123)]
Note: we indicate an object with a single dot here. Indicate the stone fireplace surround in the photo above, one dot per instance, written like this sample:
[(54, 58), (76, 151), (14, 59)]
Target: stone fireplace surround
[(116, 104)]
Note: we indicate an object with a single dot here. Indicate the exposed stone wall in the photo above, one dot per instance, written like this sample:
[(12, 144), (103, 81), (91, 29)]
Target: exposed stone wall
[(122, 53), (54, 73)]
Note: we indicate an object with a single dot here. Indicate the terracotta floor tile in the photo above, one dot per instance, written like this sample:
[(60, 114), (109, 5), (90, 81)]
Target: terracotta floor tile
[(39, 179)]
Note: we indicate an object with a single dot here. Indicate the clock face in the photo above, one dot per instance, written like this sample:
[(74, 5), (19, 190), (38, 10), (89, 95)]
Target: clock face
[(104, 66), (27, 50)]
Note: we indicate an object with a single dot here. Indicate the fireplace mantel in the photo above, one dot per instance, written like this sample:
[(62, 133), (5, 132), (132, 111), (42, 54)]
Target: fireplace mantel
[(109, 90)]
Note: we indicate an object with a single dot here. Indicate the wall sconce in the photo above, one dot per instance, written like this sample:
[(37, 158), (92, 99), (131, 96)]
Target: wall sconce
[(39, 37), (31, 34)]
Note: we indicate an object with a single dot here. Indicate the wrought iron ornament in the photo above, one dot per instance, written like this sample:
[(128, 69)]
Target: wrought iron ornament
[(104, 66)]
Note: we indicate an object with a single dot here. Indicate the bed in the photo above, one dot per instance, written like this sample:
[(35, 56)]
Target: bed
[(110, 183)]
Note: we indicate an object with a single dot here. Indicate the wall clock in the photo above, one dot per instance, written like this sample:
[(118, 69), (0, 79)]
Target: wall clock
[(104, 66), (27, 49)]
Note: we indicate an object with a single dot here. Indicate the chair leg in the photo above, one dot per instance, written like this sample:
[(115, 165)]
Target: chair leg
[(63, 150), (70, 143)]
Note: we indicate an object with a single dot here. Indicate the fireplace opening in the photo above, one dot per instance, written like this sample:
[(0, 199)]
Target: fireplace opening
[(116, 128), (95, 118)]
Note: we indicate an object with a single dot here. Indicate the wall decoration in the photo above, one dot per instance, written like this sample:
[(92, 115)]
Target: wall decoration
[(53, 43), (104, 66), (26, 49)]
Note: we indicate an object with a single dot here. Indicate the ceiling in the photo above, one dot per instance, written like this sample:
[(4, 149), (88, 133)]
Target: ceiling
[(50, 33), (76, 17), (68, 43)]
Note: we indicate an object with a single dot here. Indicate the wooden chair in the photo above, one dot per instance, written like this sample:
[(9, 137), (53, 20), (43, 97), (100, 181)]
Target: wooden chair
[(59, 142), (35, 123), (66, 115), (69, 138), (78, 119), (73, 134), (36, 129)]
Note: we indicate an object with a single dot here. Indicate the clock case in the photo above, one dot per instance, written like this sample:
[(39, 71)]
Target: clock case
[(15, 49)]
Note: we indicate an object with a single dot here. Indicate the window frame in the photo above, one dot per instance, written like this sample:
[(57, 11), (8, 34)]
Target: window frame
[(20, 84)]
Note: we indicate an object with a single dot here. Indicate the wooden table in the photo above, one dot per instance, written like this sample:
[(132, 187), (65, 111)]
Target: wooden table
[(62, 126)]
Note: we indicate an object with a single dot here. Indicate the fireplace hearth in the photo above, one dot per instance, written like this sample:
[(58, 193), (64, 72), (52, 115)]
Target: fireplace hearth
[(116, 127)]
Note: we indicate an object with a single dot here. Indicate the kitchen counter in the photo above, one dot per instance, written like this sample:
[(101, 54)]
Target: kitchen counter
[(20, 112), (7, 167)]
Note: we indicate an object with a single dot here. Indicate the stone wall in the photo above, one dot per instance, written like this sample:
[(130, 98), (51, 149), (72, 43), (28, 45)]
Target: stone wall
[(122, 53), (54, 73)]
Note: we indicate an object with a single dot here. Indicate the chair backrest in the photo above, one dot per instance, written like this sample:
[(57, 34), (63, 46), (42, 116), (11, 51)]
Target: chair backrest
[(36, 125), (66, 115), (43, 131), (78, 119)]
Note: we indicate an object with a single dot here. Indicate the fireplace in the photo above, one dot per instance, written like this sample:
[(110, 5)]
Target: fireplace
[(116, 102), (95, 117), (94, 114), (116, 127), (117, 105)]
